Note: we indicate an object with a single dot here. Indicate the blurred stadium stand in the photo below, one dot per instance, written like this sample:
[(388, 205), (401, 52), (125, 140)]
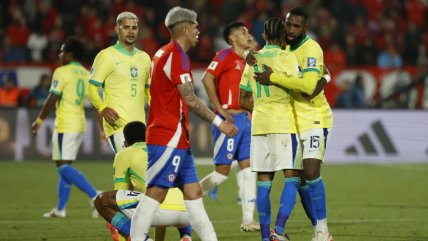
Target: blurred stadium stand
[(359, 37)]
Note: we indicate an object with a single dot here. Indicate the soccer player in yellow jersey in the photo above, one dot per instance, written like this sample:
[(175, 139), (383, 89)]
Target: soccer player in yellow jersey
[(130, 165), (67, 93), (123, 72), (274, 142), (314, 116)]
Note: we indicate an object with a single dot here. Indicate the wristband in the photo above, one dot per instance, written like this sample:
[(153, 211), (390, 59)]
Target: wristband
[(327, 77), (39, 121), (245, 54), (217, 121)]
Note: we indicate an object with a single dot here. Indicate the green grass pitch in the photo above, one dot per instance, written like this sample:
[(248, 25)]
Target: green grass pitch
[(365, 203)]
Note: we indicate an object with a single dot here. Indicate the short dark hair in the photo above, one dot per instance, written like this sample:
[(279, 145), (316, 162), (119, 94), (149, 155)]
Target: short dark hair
[(299, 11), (274, 28), (230, 28), (76, 47), (134, 131)]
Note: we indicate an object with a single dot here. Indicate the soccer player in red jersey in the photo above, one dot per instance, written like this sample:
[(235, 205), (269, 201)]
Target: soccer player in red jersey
[(171, 161), (221, 81)]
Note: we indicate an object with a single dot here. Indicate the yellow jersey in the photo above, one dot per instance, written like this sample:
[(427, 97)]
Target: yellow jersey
[(124, 77), (130, 167), (69, 83), (273, 111), (315, 113)]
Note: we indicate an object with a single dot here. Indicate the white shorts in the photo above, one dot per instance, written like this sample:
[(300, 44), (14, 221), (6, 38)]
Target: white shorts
[(314, 143), (274, 152), (127, 202), (117, 142), (66, 145)]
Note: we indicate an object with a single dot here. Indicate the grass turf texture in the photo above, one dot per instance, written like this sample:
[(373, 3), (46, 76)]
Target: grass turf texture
[(365, 202)]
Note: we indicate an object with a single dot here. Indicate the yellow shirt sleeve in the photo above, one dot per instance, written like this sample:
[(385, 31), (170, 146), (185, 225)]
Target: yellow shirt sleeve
[(290, 80), (95, 98), (245, 79), (58, 83), (121, 177)]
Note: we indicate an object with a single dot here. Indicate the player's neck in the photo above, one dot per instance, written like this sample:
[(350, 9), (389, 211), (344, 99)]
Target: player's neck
[(238, 50), (185, 45), (128, 47)]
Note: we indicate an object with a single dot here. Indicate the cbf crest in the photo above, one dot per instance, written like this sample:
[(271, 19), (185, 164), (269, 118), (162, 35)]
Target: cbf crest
[(134, 72)]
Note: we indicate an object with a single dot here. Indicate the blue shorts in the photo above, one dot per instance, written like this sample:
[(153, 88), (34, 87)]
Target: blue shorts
[(234, 148), (170, 167)]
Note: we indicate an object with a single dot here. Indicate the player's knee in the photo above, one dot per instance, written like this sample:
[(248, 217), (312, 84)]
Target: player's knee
[(312, 169), (311, 173), (98, 202)]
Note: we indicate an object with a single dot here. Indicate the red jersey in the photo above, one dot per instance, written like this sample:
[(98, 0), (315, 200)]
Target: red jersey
[(168, 114), (227, 68)]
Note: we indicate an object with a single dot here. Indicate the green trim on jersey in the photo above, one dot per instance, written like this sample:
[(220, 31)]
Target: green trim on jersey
[(135, 174), (311, 69), (121, 180), (75, 63), (272, 46), (246, 87), (55, 92), (124, 51), (96, 83), (299, 44)]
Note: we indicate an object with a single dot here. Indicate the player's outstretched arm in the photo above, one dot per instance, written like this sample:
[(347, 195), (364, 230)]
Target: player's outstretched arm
[(200, 109), (307, 84), (208, 81), (46, 109)]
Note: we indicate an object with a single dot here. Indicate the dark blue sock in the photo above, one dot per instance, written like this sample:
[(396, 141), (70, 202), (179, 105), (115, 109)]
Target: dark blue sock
[(287, 202), (318, 197), (122, 223), (185, 231), (75, 177), (308, 205), (263, 207), (64, 189)]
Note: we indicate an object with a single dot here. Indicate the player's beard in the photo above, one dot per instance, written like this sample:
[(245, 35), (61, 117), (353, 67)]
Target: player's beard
[(295, 41)]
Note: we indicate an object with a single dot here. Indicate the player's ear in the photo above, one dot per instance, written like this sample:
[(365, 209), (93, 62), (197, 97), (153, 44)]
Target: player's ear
[(116, 28), (264, 36)]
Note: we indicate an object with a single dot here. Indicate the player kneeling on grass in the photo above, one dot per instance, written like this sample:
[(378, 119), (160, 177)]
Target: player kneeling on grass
[(130, 165), (118, 207)]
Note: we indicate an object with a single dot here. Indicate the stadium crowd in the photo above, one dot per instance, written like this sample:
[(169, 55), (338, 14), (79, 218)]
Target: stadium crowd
[(386, 34), (352, 32)]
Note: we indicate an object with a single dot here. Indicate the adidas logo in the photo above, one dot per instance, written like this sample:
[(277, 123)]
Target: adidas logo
[(367, 143)]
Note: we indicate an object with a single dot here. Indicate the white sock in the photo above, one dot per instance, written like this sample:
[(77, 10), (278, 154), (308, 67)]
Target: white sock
[(199, 220), (211, 180), (239, 182), (142, 219), (322, 225), (248, 195)]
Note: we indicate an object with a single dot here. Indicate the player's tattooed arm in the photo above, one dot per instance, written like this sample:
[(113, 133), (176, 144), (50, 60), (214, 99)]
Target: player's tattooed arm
[(245, 100), (194, 103)]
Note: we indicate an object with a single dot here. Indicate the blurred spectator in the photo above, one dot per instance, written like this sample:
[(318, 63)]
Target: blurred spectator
[(335, 57), (39, 93), (9, 93), (37, 43), (352, 94), (12, 54), (389, 58), (422, 59), (360, 27)]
